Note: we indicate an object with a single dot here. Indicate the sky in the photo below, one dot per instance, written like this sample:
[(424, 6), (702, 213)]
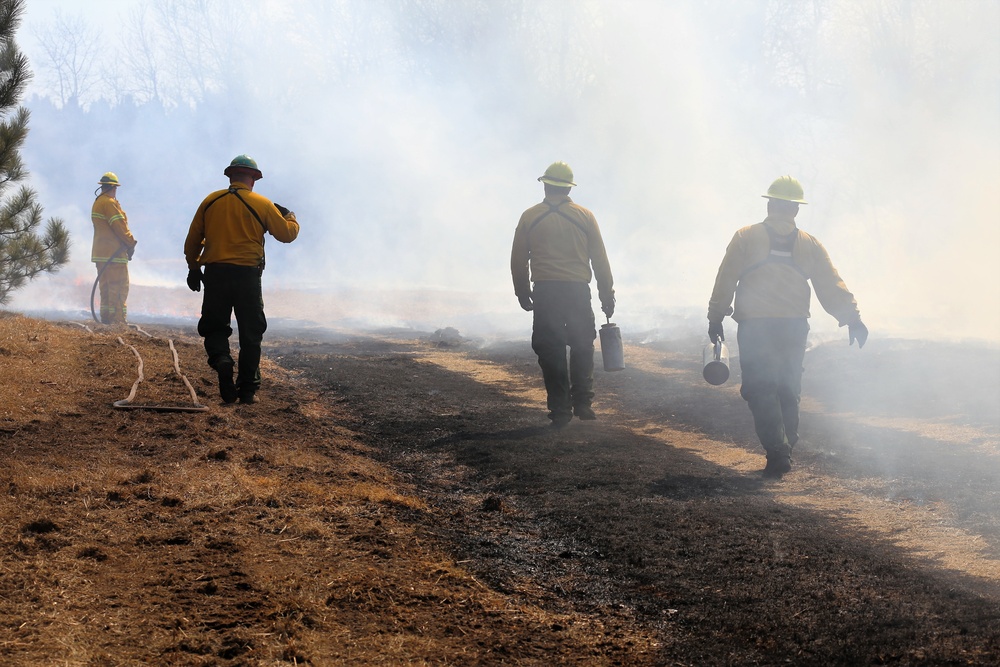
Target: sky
[(409, 180)]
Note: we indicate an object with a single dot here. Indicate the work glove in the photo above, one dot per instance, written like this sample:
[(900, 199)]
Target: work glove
[(194, 279), (282, 210), (130, 252), (608, 307), (526, 303), (857, 331), (715, 333)]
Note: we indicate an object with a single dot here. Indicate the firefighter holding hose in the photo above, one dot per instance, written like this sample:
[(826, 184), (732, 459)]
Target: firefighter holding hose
[(768, 267), (224, 250), (112, 249), (559, 241)]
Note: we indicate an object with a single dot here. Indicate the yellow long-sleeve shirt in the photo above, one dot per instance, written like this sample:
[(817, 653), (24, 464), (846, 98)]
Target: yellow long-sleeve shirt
[(777, 285), (111, 231), (224, 231), (559, 240)]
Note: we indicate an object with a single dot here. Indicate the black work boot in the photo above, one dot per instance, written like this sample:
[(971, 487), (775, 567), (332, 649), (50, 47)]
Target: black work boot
[(227, 388), (584, 412), (779, 462), (560, 419)]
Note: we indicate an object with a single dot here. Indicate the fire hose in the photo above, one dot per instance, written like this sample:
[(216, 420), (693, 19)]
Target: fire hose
[(126, 403), (100, 272)]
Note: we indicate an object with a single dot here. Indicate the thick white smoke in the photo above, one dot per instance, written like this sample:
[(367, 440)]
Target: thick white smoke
[(408, 136)]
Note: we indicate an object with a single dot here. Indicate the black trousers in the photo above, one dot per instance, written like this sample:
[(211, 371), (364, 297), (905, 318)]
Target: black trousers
[(771, 355), (230, 289), (563, 318)]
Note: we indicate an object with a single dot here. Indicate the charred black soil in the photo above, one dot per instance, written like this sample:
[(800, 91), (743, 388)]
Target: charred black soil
[(625, 517)]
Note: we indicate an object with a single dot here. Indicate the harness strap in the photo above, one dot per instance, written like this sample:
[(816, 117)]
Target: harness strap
[(780, 252), (235, 191), (554, 208)]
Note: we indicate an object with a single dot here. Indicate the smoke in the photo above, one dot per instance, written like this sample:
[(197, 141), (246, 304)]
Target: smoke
[(407, 137)]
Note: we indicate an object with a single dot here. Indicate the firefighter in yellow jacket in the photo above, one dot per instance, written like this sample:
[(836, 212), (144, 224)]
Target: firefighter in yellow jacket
[(113, 248), (768, 267), (559, 242), (226, 237)]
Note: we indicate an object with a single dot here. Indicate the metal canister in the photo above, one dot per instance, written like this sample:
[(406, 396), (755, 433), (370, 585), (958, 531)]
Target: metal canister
[(716, 361), (612, 350)]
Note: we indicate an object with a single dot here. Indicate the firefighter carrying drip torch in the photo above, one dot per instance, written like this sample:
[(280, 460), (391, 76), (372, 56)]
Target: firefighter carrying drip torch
[(768, 267), (557, 250), (113, 248)]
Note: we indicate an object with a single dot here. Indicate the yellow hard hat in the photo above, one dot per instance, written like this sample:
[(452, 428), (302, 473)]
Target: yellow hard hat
[(243, 163), (559, 174), (109, 178), (786, 188)]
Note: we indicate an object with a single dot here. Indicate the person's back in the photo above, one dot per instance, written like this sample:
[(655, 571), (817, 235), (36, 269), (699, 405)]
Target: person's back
[(557, 249), (226, 238), (559, 234)]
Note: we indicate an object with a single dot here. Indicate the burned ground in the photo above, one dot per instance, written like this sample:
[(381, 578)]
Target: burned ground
[(398, 499)]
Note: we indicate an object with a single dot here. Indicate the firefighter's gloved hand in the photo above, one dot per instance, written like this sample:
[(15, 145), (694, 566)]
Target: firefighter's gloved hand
[(526, 303), (194, 280), (282, 210), (715, 333), (130, 252), (608, 307), (858, 332)]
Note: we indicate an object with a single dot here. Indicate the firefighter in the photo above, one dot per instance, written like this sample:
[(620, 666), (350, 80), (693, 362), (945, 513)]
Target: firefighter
[(768, 267), (560, 243), (113, 247), (226, 239)]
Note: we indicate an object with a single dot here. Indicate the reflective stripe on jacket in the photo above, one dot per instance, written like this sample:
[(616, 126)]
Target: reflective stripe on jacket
[(559, 240), (111, 231), (769, 285), (224, 231)]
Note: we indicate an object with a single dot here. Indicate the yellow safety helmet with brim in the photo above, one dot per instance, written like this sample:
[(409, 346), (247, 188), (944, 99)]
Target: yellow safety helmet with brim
[(243, 163), (788, 189), (558, 174), (109, 178)]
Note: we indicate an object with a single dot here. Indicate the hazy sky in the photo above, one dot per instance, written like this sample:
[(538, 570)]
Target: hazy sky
[(414, 177), (36, 11)]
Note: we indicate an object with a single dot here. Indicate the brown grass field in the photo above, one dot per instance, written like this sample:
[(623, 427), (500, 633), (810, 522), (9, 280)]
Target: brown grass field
[(395, 500)]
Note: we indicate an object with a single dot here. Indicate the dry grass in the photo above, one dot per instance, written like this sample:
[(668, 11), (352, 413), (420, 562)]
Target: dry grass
[(250, 535)]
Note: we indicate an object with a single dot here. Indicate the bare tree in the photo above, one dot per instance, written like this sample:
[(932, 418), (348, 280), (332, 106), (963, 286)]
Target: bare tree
[(141, 57), (209, 45), (333, 42), (71, 47)]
